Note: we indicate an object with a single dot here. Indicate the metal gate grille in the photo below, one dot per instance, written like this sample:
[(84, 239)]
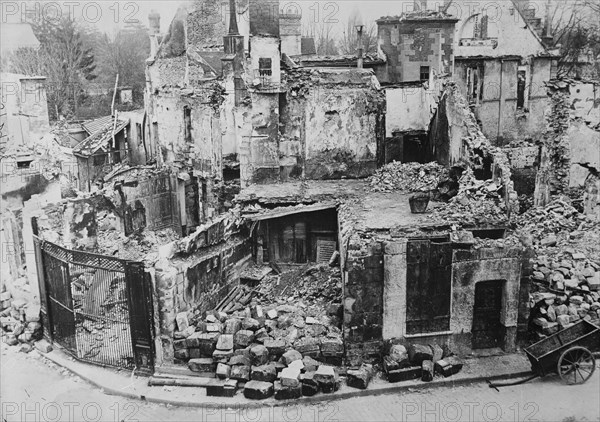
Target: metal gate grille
[(91, 306)]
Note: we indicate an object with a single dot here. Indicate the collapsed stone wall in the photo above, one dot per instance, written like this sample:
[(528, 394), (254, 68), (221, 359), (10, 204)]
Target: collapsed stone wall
[(571, 145), (196, 272)]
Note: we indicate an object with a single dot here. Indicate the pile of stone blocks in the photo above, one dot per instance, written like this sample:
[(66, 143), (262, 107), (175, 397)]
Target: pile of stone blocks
[(267, 353), (21, 323), (419, 361)]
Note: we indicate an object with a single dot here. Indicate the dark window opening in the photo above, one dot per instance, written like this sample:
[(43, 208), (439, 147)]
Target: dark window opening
[(521, 75), (24, 164), (265, 66), (489, 233), (298, 238), (187, 124), (483, 165), (475, 83), (138, 128), (99, 160), (192, 206), (424, 73)]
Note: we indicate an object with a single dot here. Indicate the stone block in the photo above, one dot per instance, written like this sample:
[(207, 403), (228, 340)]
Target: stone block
[(297, 364), (258, 390), (243, 338), (206, 342), (289, 377), (225, 342), (182, 321), (576, 300), (43, 346), (222, 356), (427, 370), (417, 353), (310, 365), (290, 356), (332, 347), (202, 365), (232, 326), (215, 327), (308, 346), (226, 388), (184, 354), (272, 314), (267, 373), (276, 348), (239, 360), (327, 378), (438, 352), (223, 371), (448, 366), (404, 374), (359, 378), (250, 324), (260, 336), (240, 373), (287, 392), (180, 344), (310, 386), (259, 355)]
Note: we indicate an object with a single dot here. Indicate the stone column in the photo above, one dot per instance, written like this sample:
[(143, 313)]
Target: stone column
[(394, 289)]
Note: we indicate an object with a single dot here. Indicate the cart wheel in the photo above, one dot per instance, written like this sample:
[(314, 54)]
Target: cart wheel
[(576, 365)]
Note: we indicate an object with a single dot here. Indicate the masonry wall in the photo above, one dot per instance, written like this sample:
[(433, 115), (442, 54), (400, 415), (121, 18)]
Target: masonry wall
[(468, 268), (502, 122), (410, 44)]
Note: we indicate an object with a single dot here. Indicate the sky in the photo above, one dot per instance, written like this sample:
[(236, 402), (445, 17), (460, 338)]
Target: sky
[(110, 15)]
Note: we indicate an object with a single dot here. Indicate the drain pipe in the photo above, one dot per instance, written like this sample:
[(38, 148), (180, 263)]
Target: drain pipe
[(500, 102)]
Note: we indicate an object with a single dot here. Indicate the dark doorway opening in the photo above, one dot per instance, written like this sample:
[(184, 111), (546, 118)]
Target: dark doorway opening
[(487, 331)]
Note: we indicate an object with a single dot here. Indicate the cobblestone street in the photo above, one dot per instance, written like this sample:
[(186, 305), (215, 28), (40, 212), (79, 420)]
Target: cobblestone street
[(36, 391)]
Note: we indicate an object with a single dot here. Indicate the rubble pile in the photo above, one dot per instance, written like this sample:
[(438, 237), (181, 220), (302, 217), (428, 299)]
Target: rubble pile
[(283, 350), (407, 177), (320, 284), (419, 361), (21, 324), (478, 202), (566, 272), (281, 337)]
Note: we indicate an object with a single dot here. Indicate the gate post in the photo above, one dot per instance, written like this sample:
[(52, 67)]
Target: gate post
[(141, 316)]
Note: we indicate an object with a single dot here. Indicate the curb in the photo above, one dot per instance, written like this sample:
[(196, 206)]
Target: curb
[(308, 400)]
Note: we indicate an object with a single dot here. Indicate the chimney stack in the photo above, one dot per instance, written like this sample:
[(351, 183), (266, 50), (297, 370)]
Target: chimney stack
[(154, 20)]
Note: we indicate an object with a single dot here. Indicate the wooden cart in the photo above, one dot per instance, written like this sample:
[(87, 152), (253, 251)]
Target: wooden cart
[(567, 353)]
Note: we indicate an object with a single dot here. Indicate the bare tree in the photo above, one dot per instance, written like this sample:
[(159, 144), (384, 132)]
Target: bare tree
[(325, 40), (576, 32), (349, 41)]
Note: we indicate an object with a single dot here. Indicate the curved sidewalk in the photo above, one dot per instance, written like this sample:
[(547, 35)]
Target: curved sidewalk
[(126, 384)]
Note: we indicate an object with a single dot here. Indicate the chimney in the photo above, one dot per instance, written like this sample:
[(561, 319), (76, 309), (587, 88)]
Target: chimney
[(154, 20), (233, 26)]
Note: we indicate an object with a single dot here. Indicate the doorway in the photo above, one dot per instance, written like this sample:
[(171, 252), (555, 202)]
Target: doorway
[(487, 331)]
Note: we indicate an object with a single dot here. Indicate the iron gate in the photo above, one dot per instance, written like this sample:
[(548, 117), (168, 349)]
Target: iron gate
[(97, 307)]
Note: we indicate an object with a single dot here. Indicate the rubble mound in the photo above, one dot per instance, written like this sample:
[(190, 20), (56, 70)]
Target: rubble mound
[(407, 177), (566, 273), (478, 202)]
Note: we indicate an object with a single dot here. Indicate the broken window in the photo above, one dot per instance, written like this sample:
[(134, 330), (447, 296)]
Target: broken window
[(480, 28), (187, 124), (424, 73), (138, 128), (521, 83), (264, 66), (475, 83)]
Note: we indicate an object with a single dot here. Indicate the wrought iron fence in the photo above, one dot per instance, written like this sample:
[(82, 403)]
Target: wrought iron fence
[(89, 306)]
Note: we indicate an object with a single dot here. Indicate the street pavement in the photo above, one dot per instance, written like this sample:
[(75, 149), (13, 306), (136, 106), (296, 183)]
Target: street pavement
[(34, 389)]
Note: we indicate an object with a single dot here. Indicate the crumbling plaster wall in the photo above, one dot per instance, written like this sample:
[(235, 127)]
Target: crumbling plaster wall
[(332, 123), (408, 108), (502, 122), (203, 153)]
